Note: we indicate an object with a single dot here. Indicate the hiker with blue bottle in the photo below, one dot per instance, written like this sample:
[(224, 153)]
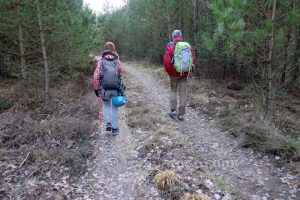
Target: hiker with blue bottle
[(109, 86), (179, 59)]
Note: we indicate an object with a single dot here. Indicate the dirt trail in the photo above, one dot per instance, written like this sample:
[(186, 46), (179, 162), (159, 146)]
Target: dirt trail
[(251, 175), (114, 173), (117, 170)]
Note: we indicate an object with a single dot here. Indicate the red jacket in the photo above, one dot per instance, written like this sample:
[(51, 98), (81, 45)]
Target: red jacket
[(169, 54), (97, 73)]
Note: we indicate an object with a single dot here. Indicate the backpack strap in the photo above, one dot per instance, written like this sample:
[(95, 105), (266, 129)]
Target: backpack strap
[(174, 44)]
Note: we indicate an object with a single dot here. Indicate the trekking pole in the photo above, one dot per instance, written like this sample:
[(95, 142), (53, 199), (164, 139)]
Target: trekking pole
[(101, 116)]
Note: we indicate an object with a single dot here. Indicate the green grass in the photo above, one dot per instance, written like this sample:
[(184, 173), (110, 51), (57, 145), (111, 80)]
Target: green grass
[(259, 134), (225, 112), (266, 137), (3, 104)]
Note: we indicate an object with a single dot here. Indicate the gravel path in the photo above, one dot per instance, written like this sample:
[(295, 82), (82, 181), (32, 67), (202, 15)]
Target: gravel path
[(251, 175), (116, 172)]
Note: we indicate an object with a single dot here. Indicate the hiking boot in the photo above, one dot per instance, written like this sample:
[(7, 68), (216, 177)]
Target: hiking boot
[(173, 114), (115, 131), (180, 117), (108, 126)]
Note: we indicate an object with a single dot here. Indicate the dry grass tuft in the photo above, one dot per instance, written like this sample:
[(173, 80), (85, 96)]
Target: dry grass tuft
[(166, 179), (199, 100), (189, 196), (136, 117), (166, 131)]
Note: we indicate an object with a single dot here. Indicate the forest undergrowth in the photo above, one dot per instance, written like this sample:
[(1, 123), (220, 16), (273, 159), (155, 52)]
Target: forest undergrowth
[(44, 148)]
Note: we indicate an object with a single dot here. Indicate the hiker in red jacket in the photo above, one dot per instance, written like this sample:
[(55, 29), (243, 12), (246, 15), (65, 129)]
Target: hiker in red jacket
[(178, 79), (108, 84)]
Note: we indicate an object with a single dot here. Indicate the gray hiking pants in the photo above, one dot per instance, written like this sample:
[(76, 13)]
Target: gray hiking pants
[(111, 112), (179, 84)]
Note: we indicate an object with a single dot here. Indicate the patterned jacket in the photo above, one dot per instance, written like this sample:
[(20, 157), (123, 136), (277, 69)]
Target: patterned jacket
[(109, 55)]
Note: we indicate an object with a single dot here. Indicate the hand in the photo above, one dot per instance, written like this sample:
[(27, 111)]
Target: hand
[(98, 93), (122, 93)]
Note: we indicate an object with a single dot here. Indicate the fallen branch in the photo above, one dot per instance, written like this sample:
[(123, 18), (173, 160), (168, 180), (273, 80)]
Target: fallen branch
[(24, 160)]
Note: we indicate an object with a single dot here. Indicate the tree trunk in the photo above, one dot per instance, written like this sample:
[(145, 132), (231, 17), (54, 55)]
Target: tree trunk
[(224, 70), (286, 55), (296, 69), (45, 58), (2, 71), (194, 20), (269, 96), (296, 75), (169, 23), (21, 40)]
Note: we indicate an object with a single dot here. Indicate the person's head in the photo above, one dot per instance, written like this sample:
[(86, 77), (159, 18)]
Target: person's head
[(176, 33), (109, 46)]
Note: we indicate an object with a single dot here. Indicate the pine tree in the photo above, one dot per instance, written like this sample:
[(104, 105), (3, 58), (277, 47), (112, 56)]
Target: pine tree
[(255, 34)]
